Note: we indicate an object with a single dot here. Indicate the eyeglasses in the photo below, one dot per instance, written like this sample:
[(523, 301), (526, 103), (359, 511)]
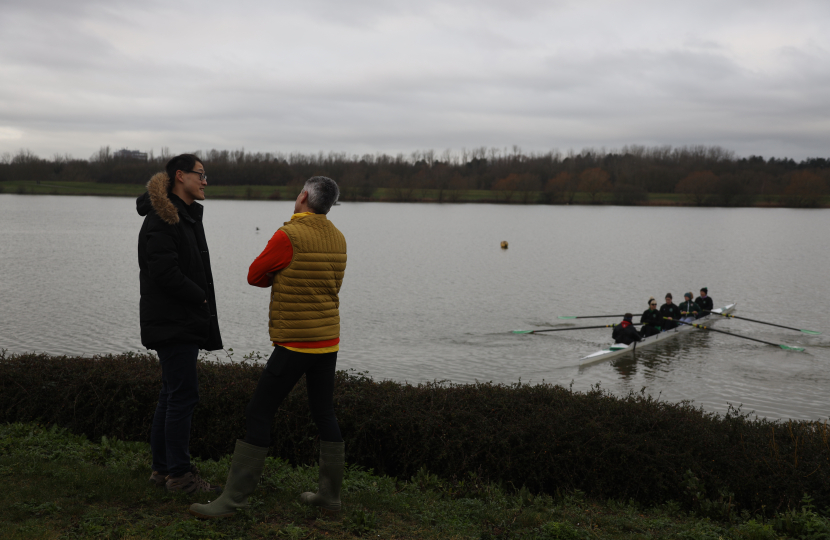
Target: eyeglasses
[(653, 304), (202, 176)]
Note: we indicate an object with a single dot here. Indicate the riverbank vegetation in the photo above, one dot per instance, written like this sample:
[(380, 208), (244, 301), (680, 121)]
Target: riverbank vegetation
[(60, 485), (544, 438), (634, 175)]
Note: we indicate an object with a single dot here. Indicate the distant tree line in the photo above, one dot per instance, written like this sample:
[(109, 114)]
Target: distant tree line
[(700, 175)]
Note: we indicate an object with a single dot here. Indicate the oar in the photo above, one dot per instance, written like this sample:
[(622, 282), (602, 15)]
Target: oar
[(785, 347), (589, 317), (563, 329), (811, 332)]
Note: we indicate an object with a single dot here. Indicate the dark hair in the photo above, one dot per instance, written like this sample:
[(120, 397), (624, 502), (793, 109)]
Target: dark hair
[(322, 193), (182, 162)]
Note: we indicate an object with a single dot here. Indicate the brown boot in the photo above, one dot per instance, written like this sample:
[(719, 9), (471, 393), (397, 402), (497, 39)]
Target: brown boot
[(191, 483), (159, 478)]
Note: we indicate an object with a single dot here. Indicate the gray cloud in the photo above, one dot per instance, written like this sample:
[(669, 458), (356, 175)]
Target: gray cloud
[(395, 76)]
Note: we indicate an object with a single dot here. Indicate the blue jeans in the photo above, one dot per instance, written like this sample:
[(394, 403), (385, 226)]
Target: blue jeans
[(170, 435), (284, 369)]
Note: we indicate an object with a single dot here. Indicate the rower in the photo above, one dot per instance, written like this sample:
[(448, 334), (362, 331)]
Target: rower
[(625, 332), (705, 301), (671, 312), (651, 319), (689, 309)]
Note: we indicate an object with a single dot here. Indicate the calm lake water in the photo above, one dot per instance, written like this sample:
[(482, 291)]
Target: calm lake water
[(429, 294)]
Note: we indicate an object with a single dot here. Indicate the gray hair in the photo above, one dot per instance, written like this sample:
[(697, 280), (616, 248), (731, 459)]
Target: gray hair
[(322, 193)]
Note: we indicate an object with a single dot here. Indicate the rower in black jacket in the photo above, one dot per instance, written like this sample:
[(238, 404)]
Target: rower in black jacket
[(651, 319), (669, 310), (689, 309), (625, 332), (705, 301)]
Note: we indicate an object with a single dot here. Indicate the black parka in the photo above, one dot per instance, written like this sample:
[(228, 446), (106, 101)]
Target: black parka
[(706, 304), (651, 318), (670, 310), (178, 304), (625, 334)]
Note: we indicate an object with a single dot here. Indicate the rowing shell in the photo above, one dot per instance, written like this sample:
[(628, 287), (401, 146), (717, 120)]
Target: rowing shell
[(620, 349)]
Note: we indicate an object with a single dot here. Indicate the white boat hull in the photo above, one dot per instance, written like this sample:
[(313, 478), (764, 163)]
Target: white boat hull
[(617, 350)]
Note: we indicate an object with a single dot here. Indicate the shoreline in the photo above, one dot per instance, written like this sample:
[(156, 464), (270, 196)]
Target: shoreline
[(387, 195)]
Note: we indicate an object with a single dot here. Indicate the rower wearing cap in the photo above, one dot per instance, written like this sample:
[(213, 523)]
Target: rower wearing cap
[(689, 309), (651, 319), (705, 301), (671, 312), (625, 332)]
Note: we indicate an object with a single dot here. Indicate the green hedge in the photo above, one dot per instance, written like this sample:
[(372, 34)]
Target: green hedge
[(542, 436)]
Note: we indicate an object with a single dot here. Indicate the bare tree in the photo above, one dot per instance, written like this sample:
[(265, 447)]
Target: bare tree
[(594, 182), (805, 189), (561, 189), (698, 187)]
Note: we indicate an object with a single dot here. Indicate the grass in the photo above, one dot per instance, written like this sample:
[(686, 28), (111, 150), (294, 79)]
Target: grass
[(21, 187), (59, 485), (290, 192)]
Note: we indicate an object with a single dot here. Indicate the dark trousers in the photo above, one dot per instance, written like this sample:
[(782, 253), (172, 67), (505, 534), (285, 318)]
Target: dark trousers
[(170, 435), (649, 330), (284, 369)]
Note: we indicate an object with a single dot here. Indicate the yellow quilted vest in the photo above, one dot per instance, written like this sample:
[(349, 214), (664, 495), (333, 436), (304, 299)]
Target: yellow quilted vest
[(304, 296)]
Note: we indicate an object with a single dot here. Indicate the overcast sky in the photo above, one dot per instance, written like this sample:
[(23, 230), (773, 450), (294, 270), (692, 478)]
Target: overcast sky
[(367, 76)]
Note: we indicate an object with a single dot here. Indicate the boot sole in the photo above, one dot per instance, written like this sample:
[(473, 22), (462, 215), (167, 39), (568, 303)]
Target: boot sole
[(334, 508)]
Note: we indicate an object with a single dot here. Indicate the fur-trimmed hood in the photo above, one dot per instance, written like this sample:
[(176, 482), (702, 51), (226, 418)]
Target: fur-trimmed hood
[(157, 199)]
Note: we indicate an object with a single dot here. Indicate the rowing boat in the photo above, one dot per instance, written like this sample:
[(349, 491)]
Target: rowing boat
[(620, 349)]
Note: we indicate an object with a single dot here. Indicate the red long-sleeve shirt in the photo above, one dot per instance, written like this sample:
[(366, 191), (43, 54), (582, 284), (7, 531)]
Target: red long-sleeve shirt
[(277, 255)]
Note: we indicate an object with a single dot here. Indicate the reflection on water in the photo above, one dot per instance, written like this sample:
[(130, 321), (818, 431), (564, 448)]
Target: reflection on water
[(430, 295), (657, 361)]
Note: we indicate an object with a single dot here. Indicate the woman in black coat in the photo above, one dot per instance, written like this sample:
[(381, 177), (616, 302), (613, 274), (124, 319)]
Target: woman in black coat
[(651, 320), (669, 310)]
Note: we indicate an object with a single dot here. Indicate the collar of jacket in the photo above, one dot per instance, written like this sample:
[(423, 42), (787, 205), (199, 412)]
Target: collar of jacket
[(301, 214), (170, 207), (295, 217), (191, 213)]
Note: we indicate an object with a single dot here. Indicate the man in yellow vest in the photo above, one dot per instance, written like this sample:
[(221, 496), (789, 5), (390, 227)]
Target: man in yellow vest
[(303, 263)]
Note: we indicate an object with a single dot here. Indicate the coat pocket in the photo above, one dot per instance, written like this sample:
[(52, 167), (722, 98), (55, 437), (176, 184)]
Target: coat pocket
[(158, 310), (198, 316)]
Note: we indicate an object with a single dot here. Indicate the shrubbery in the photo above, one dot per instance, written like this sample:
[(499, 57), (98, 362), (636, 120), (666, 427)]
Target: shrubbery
[(544, 437)]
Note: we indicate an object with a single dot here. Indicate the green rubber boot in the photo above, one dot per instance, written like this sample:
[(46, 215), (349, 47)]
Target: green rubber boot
[(246, 468), (332, 458)]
